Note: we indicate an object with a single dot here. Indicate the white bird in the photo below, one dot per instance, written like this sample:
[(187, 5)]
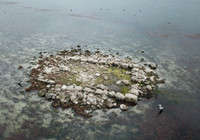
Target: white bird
[(160, 107)]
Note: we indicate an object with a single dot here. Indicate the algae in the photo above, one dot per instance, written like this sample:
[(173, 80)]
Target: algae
[(41, 94), (119, 73), (72, 80), (124, 89)]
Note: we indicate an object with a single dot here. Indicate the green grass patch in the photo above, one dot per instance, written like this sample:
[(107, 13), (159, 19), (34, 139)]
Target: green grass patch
[(72, 80), (119, 73), (124, 89)]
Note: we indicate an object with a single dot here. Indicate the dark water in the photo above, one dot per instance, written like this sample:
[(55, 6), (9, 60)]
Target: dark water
[(168, 32)]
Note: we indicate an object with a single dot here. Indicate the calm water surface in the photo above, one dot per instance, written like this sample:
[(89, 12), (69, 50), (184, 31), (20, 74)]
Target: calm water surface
[(168, 32)]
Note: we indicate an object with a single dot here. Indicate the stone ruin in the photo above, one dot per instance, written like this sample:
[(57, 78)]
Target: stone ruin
[(88, 81)]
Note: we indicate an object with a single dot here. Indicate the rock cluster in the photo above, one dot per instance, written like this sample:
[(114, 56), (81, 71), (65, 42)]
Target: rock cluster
[(87, 81)]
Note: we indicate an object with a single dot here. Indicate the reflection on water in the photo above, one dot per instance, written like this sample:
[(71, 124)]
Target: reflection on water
[(166, 30)]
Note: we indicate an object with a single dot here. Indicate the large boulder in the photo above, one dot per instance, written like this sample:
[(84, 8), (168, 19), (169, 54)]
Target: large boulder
[(131, 98), (119, 96), (134, 91)]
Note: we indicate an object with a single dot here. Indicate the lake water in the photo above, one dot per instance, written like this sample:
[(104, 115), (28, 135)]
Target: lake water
[(168, 31)]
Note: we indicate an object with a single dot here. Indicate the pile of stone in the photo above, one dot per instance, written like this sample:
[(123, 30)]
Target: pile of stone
[(86, 69)]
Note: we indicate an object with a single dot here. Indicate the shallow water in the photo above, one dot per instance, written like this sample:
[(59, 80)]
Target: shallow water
[(168, 32)]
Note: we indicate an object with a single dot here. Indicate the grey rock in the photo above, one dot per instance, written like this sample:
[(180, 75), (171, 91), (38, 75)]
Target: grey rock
[(99, 91), (70, 88), (149, 88), (135, 65), (134, 91), (46, 81), (48, 86), (111, 94), (101, 86), (78, 88), (135, 69), (131, 98), (63, 101), (123, 107), (64, 87), (119, 82), (64, 68), (79, 95), (51, 82), (88, 90), (47, 70), (152, 65), (119, 96), (110, 104), (126, 82)]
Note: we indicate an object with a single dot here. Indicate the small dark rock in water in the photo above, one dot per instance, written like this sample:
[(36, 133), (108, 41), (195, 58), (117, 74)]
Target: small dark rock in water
[(78, 46), (142, 59), (152, 65), (142, 51), (20, 67), (41, 94), (97, 51), (41, 56), (19, 84), (168, 22), (117, 53)]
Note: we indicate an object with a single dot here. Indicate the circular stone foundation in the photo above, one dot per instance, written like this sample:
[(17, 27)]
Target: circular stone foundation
[(88, 81)]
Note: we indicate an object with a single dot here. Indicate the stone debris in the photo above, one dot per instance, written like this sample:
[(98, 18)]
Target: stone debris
[(87, 81)]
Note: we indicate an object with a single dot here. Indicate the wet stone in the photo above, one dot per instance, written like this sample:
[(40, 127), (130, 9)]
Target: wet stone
[(123, 107)]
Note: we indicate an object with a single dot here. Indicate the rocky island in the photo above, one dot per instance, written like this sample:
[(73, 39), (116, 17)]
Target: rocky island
[(88, 81)]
